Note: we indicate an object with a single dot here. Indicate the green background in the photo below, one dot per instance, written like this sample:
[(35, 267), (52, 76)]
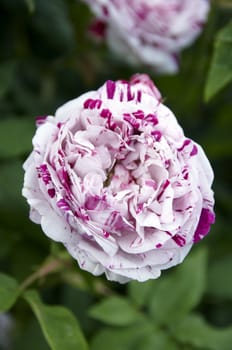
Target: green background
[(47, 57)]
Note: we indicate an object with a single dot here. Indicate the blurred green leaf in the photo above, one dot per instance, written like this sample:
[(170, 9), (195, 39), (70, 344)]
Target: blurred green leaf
[(6, 76), (11, 176), (79, 301), (26, 332), (30, 5), (16, 136), (51, 29), (156, 340), (216, 139), (195, 331), (178, 293), (144, 337), (220, 277), (115, 311), (220, 72), (124, 339), (8, 292), (138, 292), (58, 324)]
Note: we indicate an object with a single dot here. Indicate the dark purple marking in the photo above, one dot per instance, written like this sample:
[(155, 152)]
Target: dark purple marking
[(63, 205), (92, 202), (168, 233), (139, 114), (82, 215), (105, 10), (91, 104), (167, 163), (194, 151), (105, 113), (176, 58), (110, 89), (139, 96), (165, 185), (139, 208), (157, 135), (180, 240), (206, 219), (98, 29), (64, 177), (61, 153), (131, 120), (186, 143), (44, 174), (198, 24), (130, 96), (51, 192), (121, 96), (159, 245), (59, 125), (185, 174), (106, 234), (143, 12), (40, 120), (152, 118)]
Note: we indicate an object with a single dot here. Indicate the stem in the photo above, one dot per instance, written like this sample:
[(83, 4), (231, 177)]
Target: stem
[(56, 264), (47, 268)]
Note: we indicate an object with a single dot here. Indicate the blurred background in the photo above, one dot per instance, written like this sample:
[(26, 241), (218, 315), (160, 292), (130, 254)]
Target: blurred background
[(47, 57)]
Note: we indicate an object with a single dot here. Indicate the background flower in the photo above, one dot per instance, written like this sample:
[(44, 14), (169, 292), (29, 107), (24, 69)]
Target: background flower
[(113, 178), (149, 32)]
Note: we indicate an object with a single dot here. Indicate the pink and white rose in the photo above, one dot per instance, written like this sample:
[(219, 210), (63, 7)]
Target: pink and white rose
[(113, 177), (152, 32)]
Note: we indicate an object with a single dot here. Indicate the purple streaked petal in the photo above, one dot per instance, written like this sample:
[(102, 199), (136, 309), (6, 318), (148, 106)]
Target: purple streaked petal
[(207, 218)]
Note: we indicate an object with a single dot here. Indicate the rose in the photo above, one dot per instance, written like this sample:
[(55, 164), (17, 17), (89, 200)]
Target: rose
[(151, 32), (113, 178)]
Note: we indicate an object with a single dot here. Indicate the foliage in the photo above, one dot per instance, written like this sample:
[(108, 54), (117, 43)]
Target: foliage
[(220, 72), (46, 58)]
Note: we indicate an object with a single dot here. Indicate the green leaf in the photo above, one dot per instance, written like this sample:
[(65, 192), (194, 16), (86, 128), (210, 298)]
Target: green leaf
[(124, 338), (115, 311), (179, 292), (138, 292), (144, 337), (25, 337), (195, 331), (220, 72), (58, 324), (156, 340), (52, 29), (6, 77), (9, 292), (16, 136), (220, 277), (30, 5), (11, 175)]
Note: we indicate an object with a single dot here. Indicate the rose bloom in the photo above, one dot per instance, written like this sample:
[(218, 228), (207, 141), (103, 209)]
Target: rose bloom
[(150, 32), (113, 177)]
